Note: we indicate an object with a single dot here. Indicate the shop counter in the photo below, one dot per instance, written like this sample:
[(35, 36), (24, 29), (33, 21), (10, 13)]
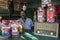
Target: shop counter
[(28, 35)]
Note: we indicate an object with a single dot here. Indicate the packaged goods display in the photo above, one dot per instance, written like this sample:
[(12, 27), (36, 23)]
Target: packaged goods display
[(14, 26), (5, 28), (9, 27), (40, 14), (46, 13), (51, 14), (14, 29)]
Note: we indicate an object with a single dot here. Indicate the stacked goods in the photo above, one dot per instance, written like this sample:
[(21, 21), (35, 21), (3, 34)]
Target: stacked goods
[(49, 29), (14, 29), (14, 26), (11, 27), (5, 27), (51, 14), (40, 14)]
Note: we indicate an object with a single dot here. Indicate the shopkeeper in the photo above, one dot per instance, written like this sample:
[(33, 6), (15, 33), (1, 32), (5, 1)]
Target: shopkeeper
[(26, 22)]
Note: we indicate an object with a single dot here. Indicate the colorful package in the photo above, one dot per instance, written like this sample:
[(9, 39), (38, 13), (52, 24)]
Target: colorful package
[(51, 14), (5, 27), (6, 31), (20, 28), (14, 26), (40, 14)]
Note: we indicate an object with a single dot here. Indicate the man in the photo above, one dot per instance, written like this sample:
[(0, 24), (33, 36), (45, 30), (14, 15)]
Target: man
[(26, 22)]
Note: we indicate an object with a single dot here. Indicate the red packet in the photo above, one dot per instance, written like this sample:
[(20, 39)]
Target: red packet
[(51, 14)]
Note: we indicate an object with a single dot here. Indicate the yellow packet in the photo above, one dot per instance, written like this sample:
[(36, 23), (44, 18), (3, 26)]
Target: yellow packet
[(20, 28)]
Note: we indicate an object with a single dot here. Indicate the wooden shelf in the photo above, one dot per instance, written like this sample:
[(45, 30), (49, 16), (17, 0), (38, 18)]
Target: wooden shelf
[(7, 14), (3, 4)]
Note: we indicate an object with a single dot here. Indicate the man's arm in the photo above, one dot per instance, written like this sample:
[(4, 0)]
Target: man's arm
[(32, 26)]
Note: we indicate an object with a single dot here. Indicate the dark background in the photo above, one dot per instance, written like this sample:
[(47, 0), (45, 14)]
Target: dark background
[(32, 4)]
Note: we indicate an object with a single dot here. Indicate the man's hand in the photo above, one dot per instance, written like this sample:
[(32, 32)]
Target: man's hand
[(32, 29)]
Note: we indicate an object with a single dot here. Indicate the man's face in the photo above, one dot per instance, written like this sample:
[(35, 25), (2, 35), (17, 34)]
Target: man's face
[(23, 14)]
